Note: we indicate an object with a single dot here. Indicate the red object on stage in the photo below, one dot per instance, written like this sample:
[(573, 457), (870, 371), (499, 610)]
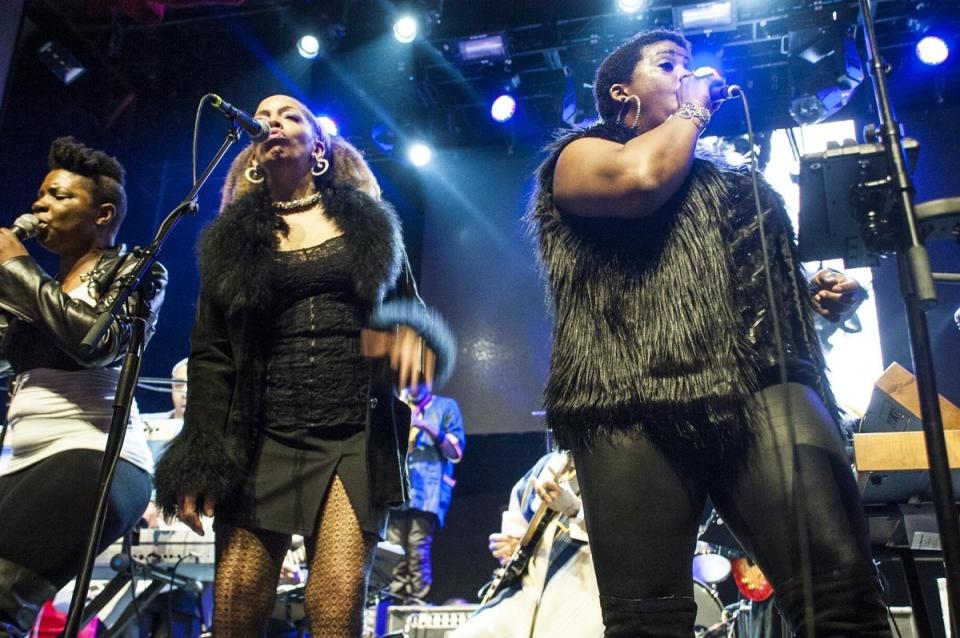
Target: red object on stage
[(51, 623)]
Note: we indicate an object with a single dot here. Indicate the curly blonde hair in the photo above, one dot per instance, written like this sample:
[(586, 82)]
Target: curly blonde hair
[(347, 166)]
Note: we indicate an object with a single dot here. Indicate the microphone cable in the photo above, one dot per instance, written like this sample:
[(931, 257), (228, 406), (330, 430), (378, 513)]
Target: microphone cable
[(799, 498)]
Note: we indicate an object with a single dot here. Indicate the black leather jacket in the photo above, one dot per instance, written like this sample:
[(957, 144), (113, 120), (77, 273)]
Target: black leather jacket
[(41, 326)]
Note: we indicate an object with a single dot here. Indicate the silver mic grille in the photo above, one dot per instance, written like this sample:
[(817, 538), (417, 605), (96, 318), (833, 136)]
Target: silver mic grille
[(25, 226)]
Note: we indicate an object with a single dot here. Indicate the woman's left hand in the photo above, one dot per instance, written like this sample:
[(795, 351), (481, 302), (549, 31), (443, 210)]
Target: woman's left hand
[(10, 246), (410, 357), (835, 294)]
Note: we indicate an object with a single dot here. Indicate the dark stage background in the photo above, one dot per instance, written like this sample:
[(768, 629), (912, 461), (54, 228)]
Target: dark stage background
[(462, 213)]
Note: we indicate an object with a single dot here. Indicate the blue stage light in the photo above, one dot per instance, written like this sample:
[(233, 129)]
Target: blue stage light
[(630, 6), (419, 154), (503, 108), (308, 46), (932, 50), (405, 29), (328, 125)]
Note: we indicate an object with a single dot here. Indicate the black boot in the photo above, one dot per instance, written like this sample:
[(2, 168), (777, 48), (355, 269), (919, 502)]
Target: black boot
[(846, 603), (648, 617), (22, 594)]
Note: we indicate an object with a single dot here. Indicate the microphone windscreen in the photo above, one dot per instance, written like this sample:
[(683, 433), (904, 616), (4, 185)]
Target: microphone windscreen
[(25, 226)]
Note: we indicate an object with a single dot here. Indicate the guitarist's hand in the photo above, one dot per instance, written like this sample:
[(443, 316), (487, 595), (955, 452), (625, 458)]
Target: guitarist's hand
[(502, 546), (558, 498)]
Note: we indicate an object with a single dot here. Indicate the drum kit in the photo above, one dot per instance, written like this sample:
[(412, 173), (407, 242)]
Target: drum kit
[(714, 564)]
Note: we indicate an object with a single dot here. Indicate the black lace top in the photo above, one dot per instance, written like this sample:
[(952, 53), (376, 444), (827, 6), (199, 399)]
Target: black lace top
[(315, 374)]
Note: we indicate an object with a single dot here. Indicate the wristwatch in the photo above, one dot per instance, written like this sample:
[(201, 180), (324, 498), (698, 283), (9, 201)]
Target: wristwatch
[(699, 115)]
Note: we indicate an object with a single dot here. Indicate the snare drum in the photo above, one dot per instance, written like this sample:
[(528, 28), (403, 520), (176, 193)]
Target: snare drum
[(709, 611)]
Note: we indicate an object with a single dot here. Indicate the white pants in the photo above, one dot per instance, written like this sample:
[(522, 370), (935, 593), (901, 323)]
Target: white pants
[(568, 606)]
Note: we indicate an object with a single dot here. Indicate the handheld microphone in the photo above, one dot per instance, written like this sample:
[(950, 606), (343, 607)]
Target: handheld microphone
[(25, 226), (720, 92), (257, 128)]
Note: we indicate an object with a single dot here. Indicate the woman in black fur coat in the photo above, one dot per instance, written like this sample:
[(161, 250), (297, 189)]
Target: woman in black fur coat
[(291, 424), (664, 377)]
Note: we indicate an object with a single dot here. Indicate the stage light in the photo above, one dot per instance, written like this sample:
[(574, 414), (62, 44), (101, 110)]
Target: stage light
[(327, 124), (405, 29), (932, 50), (503, 108), (630, 6), (60, 61), (419, 154), (482, 47), (705, 16), (308, 46)]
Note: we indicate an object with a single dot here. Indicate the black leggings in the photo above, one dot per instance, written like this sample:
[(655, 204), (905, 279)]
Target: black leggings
[(46, 511), (643, 512)]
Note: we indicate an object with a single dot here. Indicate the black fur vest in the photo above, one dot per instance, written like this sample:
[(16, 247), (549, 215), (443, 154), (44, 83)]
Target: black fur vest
[(662, 323)]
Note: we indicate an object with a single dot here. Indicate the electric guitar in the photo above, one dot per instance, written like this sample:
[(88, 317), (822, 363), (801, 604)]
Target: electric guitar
[(514, 569)]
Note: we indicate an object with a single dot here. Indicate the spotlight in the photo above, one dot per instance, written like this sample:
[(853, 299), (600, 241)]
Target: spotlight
[(308, 46), (60, 62), (630, 6), (932, 50), (419, 154), (503, 108), (405, 29), (705, 16), (327, 125)]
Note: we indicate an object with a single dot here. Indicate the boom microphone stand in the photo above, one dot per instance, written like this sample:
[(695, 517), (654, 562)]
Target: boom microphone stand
[(128, 376), (917, 287)]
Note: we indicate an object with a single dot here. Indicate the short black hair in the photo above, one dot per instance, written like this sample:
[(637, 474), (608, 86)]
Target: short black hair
[(619, 65), (106, 172)]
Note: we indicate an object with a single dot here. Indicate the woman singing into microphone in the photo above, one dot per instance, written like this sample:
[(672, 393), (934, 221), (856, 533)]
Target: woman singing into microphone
[(289, 427), (61, 404), (664, 378)]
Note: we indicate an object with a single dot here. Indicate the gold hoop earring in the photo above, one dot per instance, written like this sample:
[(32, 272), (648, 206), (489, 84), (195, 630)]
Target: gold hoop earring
[(254, 174), (625, 106), (320, 166)]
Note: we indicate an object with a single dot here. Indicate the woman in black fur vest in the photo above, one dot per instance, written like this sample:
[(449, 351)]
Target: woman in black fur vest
[(291, 424), (664, 378)]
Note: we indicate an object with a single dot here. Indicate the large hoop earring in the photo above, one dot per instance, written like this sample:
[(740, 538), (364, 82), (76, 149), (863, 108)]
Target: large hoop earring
[(254, 174), (320, 166), (625, 106)]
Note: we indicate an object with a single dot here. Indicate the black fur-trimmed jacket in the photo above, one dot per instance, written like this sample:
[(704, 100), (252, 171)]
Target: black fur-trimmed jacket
[(662, 323), (212, 455)]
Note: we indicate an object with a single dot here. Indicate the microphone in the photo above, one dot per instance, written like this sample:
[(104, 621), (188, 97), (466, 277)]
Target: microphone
[(257, 128), (720, 92), (25, 226)]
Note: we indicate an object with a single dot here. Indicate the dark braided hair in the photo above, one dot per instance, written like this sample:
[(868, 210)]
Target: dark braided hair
[(106, 172), (617, 68)]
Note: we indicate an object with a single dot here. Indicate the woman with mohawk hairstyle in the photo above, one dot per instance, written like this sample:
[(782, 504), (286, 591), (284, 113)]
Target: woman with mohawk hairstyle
[(61, 405)]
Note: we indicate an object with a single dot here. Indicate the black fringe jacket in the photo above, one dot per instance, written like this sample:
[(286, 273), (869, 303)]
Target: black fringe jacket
[(662, 322), (212, 455)]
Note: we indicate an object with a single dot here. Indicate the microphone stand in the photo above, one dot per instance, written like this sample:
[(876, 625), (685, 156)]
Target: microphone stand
[(917, 287), (129, 373)]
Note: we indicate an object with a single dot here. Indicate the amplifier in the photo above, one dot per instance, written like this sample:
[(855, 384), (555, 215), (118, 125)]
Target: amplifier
[(424, 621)]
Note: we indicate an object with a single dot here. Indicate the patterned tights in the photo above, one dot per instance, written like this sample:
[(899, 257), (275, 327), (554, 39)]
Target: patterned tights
[(248, 569)]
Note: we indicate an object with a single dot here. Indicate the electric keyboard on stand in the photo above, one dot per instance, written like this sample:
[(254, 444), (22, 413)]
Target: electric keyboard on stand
[(893, 475)]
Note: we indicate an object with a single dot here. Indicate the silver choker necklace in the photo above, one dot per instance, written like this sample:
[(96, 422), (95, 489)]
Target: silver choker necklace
[(294, 204)]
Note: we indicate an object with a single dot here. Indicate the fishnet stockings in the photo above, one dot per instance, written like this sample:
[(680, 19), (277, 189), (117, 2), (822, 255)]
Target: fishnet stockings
[(248, 568), (341, 558)]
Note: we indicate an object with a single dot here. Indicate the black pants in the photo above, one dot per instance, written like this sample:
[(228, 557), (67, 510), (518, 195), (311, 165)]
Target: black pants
[(46, 511), (413, 530), (643, 511)]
